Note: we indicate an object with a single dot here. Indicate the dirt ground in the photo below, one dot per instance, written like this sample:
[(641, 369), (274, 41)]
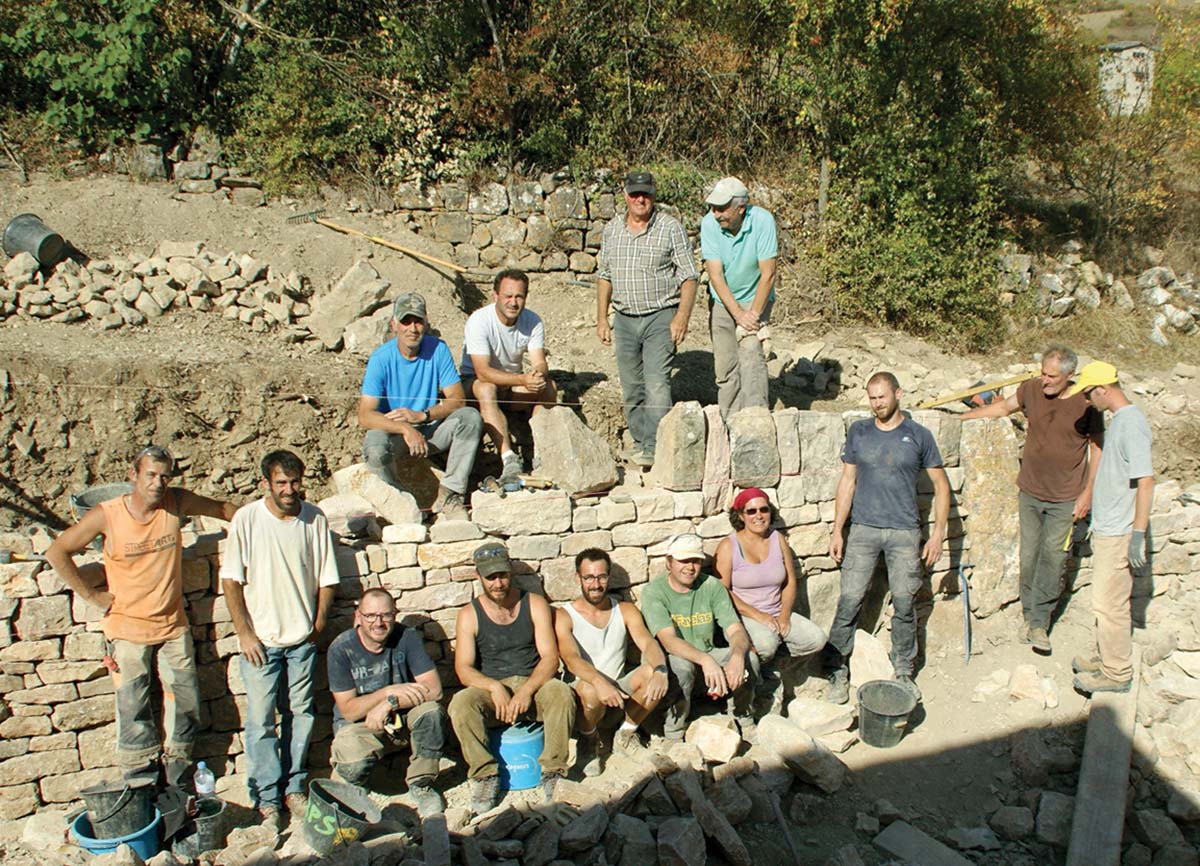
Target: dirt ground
[(219, 396)]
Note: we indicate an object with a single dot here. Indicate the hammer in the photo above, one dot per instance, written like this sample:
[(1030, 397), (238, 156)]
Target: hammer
[(7, 556)]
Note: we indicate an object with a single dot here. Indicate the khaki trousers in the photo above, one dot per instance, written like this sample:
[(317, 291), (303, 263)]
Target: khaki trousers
[(357, 749), (1112, 585), (472, 712)]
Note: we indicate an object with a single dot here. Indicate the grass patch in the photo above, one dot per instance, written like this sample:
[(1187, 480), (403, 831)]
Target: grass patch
[(1120, 338)]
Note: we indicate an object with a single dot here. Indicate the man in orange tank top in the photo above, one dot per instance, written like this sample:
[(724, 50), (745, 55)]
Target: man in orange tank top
[(140, 590)]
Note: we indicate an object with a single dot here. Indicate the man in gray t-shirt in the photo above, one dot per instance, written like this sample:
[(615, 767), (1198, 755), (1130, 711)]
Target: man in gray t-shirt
[(1121, 502), (881, 461)]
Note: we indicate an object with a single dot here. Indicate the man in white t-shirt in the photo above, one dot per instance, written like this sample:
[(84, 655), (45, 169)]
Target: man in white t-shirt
[(496, 340), (278, 573)]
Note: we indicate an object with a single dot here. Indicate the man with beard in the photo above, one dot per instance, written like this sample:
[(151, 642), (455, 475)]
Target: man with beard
[(647, 273), (279, 576), (682, 609), (593, 635), (881, 460), (385, 692), (140, 590), (506, 657), (1058, 470), (495, 341)]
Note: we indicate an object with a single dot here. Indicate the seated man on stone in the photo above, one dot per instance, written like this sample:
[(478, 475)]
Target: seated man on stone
[(495, 342), (402, 414), (506, 656), (385, 692), (681, 609), (594, 632)]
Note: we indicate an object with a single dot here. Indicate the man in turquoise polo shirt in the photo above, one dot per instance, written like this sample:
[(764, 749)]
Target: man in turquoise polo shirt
[(739, 246)]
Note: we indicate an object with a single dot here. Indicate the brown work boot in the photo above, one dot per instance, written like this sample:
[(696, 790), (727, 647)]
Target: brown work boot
[(1098, 681), (1086, 664), (1039, 639), (450, 505)]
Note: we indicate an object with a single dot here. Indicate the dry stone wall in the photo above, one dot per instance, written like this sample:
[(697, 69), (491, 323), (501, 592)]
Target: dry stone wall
[(57, 733)]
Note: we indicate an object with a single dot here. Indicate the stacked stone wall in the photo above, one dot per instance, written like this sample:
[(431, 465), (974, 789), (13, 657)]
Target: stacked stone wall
[(57, 733)]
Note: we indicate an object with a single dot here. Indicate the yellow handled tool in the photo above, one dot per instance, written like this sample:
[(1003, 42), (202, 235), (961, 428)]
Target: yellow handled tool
[(977, 389), (316, 217)]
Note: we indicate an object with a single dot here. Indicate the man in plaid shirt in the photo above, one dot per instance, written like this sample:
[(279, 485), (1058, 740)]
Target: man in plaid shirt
[(648, 274)]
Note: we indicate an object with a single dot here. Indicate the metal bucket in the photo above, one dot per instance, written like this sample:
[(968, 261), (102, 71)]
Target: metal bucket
[(209, 833), (26, 233), (883, 709), (93, 496), (337, 814), (119, 808)]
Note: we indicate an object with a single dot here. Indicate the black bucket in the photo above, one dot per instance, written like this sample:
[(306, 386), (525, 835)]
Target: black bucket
[(337, 814), (27, 233), (883, 709), (209, 830), (119, 808)]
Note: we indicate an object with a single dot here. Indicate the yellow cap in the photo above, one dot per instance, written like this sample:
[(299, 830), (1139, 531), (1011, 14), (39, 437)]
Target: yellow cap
[(1093, 374)]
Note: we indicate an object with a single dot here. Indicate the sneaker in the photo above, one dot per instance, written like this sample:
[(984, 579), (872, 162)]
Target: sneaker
[(589, 757), (483, 794), (627, 742), (906, 680), (428, 801), (1097, 681), (1089, 665), (1039, 639), (450, 505), (549, 786), (838, 690), (271, 817), (296, 804), (512, 468)]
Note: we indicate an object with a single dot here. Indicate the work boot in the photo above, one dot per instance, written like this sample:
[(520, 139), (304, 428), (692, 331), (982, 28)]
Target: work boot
[(449, 505), (550, 786), (589, 757), (1039, 639), (296, 804), (838, 690), (1098, 681), (1086, 665), (271, 817), (483, 794), (627, 742), (428, 801), (906, 680)]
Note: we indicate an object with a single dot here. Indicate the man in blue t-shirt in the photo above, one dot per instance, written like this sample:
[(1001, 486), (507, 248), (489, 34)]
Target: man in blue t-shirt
[(400, 410), (740, 248), (881, 461), (385, 691)]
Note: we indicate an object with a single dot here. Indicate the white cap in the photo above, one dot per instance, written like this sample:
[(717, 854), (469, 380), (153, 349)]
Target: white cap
[(727, 189), (686, 546)]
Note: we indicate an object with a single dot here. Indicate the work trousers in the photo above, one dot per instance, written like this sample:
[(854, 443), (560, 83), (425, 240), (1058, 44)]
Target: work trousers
[(275, 762), (357, 749), (1112, 586), (458, 434), (804, 637), (689, 679), (739, 361), (1044, 528), (645, 351)]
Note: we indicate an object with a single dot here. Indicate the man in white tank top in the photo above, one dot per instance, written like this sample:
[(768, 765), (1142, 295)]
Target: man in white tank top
[(593, 636)]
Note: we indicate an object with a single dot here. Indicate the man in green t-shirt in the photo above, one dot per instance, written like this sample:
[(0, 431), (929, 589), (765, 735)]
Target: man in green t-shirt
[(681, 609)]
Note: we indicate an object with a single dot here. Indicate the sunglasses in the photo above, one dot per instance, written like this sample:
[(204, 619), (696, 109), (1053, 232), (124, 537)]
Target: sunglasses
[(156, 453), (766, 509), (378, 617)]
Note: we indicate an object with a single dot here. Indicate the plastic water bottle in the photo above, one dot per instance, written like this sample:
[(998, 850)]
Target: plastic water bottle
[(204, 780)]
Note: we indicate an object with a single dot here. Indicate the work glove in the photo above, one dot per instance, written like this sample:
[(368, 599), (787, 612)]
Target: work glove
[(1137, 550)]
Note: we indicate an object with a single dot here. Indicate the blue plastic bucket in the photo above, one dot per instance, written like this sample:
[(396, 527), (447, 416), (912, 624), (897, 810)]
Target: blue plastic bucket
[(518, 748), (144, 841)]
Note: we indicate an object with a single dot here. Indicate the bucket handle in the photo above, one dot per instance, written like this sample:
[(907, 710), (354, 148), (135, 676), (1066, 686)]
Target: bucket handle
[(127, 792)]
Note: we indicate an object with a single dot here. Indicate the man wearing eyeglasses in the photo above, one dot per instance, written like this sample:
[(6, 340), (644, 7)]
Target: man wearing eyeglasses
[(1124, 493), (506, 657), (279, 574), (647, 273), (385, 691), (140, 590), (740, 247)]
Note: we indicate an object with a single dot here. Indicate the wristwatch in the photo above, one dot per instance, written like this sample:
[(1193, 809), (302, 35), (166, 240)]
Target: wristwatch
[(425, 412), (660, 669)]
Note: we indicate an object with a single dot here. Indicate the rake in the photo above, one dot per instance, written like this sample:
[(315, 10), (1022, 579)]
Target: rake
[(318, 217)]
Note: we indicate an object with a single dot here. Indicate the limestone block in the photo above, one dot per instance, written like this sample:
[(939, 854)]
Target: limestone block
[(717, 526), (870, 660), (17, 801), (787, 439), (491, 198), (84, 713), (520, 513), (647, 534), (440, 597), (507, 231), (364, 335), (452, 228), (653, 505), (535, 547), (566, 203), (584, 519), (65, 788), (24, 726), (989, 462), (716, 462), (18, 579), (358, 293), (679, 455), (412, 533), (809, 540), (56, 694), (559, 582), (947, 432), (822, 435), (453, 530), (754, 454), (402, 578), (32, 650), (804, 756), (28, 768), (717, 742), (539, 233), (524, 198), (446, 555), (610, 514), (630, 566), (579, 541), (44, 617), (819, 718), (569, 453), (391, 504)]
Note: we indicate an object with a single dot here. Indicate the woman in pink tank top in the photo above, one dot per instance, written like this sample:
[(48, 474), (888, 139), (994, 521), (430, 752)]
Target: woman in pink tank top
[(757, 567)]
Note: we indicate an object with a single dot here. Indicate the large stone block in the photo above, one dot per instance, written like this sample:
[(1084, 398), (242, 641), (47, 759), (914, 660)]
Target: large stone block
[(804, 756), (566, 451), (990, 464), (946, 430), (28, 768), (822, 435), (85, 713), (647, 534), (716, 462), (440, 597), (787, 439), (679, 456), (18, 801), (754, 450), (358, 293), (681, 843), (523, 512), (430, 556), (630, 566), (363, 336), (32, 651), (391, 504)]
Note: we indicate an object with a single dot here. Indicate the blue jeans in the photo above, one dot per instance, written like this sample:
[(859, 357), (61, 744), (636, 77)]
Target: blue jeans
[(901, 549), (275, 764), (645, 351)]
